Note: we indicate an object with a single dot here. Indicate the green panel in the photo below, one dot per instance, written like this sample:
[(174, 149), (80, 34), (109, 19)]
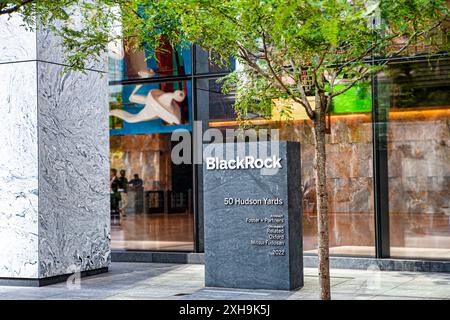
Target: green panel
[(357, 99)]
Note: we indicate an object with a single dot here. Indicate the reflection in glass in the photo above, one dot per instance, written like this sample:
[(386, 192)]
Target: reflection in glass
[(417, 97), (204, 63), (349, 180), (349, 173), (158, 212), (150, 108), (210, 97), (157, 105), (143, 63)]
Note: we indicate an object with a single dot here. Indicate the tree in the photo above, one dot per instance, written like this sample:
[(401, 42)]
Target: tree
[(280, 43), (81, 41)]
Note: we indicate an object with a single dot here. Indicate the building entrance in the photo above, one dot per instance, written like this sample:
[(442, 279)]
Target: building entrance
[(153, 210)]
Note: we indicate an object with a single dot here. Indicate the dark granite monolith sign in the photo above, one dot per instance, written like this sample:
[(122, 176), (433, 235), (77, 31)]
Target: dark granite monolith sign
[(252, 212)]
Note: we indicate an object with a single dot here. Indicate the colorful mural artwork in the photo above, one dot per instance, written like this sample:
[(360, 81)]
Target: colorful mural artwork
[(160, 107)]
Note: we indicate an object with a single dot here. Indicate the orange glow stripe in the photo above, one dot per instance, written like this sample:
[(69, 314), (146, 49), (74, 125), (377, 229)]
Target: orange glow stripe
[(419, 114), (393, 115)]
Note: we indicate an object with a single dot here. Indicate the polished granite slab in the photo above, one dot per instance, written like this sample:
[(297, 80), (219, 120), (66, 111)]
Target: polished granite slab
[(255, 240)]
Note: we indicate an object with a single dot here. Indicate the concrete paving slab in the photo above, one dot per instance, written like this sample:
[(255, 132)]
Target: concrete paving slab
[(143, 281)]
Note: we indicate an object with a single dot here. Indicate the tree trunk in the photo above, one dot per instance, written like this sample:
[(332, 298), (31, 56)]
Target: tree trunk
[(322, 203)]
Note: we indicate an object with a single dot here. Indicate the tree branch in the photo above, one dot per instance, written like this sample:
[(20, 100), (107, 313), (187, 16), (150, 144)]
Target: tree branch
[(321, 59), (330, 92), (300, 87), (266, 57), (369, 71), (280, 82), (15, 8), (244, 55), (362, 76), (376, 44), (414, 35), (232, 19), (360, 57)]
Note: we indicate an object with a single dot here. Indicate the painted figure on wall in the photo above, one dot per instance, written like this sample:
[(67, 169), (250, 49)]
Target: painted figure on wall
[(158, 105)]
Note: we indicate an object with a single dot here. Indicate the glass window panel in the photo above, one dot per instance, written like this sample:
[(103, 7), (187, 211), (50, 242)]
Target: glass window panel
[(417, 98), (210, 96), (150, 108), (151, 208), (143, 63), (349, 180), (204, 63), (349, 173)]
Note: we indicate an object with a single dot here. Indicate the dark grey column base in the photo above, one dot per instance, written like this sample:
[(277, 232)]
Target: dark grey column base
[(162, 257), (361, 263), (46, 281), (388, 264)]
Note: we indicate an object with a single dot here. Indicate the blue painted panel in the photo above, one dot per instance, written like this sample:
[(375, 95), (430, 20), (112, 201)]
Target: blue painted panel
[(181, 65), (152, 126)]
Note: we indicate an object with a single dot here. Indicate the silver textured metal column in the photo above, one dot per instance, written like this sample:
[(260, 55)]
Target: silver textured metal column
[(54, 159)]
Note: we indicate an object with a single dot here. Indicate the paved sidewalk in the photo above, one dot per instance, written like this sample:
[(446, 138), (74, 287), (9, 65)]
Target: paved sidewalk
[(170, 281)]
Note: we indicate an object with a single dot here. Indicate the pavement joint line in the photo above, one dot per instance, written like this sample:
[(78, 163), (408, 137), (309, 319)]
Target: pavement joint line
[(187, 283), (332, 277), (395, 286), (338, 284)]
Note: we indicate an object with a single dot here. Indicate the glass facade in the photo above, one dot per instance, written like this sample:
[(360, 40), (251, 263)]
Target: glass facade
[(388, 158), (166, 62), (158, 211), (349, 173), (126, 98), (416, 96), (151, 95), (349, 179), (210, 97)]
